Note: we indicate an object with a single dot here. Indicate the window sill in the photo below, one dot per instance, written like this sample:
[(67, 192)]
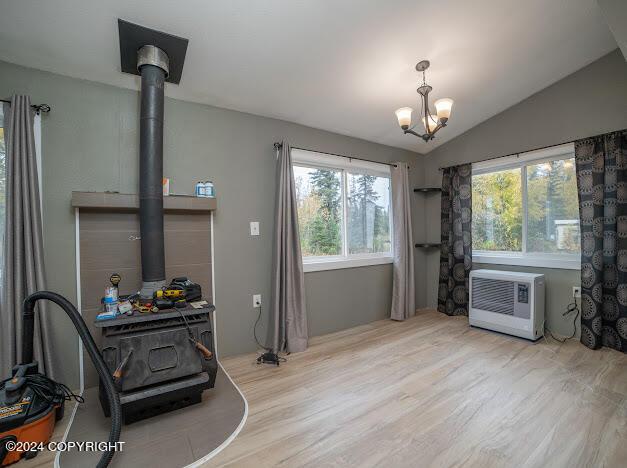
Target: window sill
[(341, 263), (538, 261)]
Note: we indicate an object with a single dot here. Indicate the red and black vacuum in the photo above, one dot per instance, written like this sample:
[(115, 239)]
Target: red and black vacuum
[(31, 403)]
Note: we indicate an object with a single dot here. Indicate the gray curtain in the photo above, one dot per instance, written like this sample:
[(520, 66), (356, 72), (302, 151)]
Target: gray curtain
[(456, 248), (602, 185), (403, 295), (288, 282), (23, 269)]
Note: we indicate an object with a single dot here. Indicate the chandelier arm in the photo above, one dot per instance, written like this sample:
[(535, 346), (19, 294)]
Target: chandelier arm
[(410, 131), (438, 127)]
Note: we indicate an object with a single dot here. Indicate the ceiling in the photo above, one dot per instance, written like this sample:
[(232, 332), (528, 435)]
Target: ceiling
[(342, 66)]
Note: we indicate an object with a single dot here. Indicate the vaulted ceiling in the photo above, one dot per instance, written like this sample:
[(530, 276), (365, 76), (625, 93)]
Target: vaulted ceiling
[(342, 66)]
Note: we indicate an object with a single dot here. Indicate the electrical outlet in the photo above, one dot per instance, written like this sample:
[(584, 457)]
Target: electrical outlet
[(254, 228), (576, 291), (256, 300)]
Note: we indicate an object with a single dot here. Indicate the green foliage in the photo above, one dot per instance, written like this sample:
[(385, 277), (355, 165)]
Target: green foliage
[(369, 225), (320, 212), (552, 201), (497, 211), (326, 186), (552, 196), (319, 194)]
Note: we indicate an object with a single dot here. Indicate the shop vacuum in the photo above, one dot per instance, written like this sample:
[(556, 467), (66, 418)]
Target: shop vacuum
[(31, 403)]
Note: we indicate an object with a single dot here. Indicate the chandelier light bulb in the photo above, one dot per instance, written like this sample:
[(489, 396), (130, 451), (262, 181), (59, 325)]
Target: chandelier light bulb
[(443, 108), (433, 122), (404, 117)]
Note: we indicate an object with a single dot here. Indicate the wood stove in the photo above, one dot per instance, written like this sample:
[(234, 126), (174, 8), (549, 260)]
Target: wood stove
[(161, 369)]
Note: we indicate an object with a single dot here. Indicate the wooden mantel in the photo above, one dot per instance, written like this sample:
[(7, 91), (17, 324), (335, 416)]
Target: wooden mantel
[(114, 201)]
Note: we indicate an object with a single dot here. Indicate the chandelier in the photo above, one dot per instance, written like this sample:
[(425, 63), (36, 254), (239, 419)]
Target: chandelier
[(432, 124)]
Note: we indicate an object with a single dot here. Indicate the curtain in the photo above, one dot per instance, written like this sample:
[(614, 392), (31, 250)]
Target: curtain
[(23, 269), (403, 295), (456, 248), (602, 185), (288, 281)]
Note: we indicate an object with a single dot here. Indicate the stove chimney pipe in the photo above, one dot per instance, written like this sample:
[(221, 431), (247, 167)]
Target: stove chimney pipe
[(153, 66)]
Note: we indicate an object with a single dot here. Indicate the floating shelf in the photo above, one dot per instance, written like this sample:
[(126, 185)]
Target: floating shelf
[(427, 190), (114, 201), (428, 245)]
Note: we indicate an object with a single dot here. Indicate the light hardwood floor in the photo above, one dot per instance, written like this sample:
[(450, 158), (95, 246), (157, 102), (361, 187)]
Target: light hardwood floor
[(432, 392), (429, 391)]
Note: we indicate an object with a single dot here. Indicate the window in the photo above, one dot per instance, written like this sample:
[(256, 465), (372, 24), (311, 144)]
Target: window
[(344, 211), (526, 210)]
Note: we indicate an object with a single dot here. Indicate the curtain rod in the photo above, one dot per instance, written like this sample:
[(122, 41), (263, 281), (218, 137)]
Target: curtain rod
[(38, 108), (530, 150), (511, 154), (278, 145)]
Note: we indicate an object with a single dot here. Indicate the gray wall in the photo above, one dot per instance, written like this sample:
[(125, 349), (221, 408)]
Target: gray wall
[(90, 142), (592, 100), (615, 14)]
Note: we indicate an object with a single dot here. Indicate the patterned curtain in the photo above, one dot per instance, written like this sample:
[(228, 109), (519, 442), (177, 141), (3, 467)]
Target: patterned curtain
[(602, 185), (456, 248)]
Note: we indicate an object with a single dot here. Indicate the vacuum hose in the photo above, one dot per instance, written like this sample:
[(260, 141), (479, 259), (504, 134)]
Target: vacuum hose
[(102, 369)]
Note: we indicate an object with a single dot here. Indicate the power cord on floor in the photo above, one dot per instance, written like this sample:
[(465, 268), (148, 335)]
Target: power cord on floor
[(570, 308), (255, 331), (269, 357)]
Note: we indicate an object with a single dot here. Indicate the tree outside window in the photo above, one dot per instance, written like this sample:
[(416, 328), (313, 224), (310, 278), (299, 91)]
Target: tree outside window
[(334, 204), (547, 201)]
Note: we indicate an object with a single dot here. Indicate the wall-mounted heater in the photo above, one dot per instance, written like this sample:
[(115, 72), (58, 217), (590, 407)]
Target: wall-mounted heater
[(508, 302)]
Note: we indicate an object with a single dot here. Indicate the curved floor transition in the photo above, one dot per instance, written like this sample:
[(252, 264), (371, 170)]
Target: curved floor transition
[(186, 437)]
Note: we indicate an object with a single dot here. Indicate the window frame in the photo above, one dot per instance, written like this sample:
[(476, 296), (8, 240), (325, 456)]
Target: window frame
[(524, 258), (314, 160)]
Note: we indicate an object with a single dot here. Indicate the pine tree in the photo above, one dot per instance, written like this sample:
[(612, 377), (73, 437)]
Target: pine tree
[(326, 185), (325, 233), (363, 196)]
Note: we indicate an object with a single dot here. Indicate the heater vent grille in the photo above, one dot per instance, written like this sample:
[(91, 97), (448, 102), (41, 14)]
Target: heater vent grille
[(493, 295)]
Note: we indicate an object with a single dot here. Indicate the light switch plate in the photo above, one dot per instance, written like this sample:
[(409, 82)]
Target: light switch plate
[(254, 228)]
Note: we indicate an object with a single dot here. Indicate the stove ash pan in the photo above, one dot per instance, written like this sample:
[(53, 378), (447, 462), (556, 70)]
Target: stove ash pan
[(160, 368)]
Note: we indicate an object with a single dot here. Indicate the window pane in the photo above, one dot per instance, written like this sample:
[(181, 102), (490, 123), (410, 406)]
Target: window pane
[(319, 199), (497, 211), (552, 207), (368, 214)]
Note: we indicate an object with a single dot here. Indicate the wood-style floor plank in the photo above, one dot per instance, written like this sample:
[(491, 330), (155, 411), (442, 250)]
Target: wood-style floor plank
[(431, 391)]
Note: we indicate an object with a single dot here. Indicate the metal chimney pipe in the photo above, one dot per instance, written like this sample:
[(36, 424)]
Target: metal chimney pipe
[(153, 66)]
